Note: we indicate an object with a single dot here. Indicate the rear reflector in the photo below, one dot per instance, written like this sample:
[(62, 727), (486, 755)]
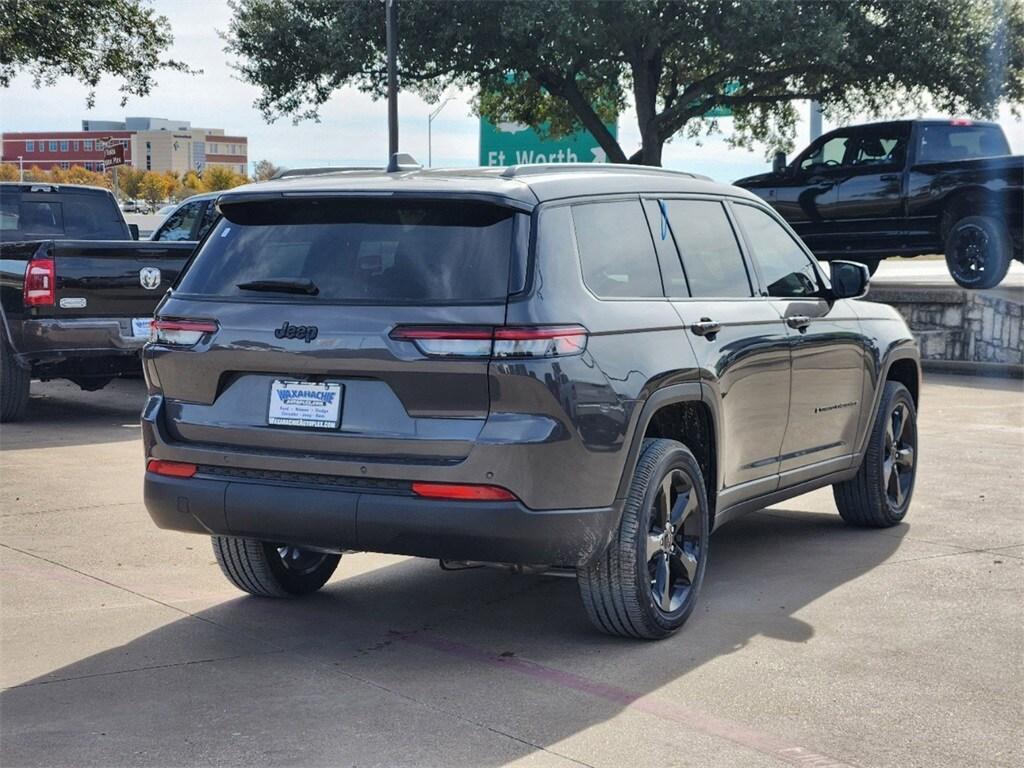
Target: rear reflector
[(503, 342), (170, 468), (39, 289), (180, 333), (458, 492)]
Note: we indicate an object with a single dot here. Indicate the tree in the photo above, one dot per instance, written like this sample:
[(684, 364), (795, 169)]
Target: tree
[(574, 63), (153, 187), (218, 177), (192, 184), (85, 40), (129, 182), (265, 170), (9, 172)]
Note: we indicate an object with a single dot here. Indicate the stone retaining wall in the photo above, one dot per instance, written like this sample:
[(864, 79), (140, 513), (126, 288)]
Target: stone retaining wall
[(957, 325)]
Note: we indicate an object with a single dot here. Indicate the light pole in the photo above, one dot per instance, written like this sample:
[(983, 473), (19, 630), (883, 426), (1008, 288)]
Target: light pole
[(430, 123), (21, 168)]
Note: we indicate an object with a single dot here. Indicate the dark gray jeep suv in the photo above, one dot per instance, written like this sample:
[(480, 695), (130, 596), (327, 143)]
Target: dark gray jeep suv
[(586, 368)]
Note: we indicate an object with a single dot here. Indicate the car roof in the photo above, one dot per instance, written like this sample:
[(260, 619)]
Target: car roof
[(521, 186), (29, 186)]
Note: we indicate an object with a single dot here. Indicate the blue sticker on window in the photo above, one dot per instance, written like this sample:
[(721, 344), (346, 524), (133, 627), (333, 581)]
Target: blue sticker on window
[(664, 219)]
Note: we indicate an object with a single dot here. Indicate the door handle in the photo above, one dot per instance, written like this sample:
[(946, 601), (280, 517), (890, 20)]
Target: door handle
[(800, 322), (707, 328)]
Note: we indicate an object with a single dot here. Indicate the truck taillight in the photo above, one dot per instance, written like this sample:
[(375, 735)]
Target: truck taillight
[(503, 342), (40, 288), (180, 333)]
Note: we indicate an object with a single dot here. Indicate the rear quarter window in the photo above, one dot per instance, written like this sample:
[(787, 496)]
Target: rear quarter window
[(363, 251), (942, 143), (616, 251)]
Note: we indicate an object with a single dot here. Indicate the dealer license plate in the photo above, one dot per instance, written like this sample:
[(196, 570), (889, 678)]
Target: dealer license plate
[(304, 404), (140, 326)]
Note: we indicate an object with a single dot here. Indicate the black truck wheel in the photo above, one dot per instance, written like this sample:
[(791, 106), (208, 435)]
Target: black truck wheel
[(978, 251), (272, 570), (878, 496), (646, 583), (14, 386)]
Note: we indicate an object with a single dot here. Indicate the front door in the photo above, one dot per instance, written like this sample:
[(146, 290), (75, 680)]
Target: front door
[(739, 341), (828, 357)]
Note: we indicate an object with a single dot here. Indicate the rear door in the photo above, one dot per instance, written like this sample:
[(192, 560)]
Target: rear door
[(307, 294), (739, 339)]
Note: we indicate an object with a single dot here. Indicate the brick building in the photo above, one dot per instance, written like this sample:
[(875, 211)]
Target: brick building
[(151, 144)]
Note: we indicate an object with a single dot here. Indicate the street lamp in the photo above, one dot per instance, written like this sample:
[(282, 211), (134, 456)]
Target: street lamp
[(21, 168), (430, 122)]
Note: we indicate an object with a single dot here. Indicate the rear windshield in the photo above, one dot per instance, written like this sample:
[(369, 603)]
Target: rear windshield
[(61, 215), (358, 251), (940, 143)]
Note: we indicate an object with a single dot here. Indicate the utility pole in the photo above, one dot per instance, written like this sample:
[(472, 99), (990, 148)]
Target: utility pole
[(815, 120), (392, 43), (430, 122)]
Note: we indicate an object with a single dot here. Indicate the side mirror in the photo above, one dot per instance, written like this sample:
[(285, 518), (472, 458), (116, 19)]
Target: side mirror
[(850, 280), (779, 163), (134, 229)]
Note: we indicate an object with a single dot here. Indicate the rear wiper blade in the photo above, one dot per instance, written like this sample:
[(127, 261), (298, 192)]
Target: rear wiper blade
[(282, 285)]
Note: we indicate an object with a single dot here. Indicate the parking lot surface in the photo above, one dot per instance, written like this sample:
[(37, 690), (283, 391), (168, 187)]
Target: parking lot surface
[(813, 643)]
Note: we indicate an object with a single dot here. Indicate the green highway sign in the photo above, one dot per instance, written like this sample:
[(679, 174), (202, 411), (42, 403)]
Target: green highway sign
[(508, 143)]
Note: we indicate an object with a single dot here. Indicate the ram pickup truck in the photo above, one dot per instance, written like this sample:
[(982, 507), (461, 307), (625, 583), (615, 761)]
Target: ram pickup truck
[(906, 188), (76, 290)]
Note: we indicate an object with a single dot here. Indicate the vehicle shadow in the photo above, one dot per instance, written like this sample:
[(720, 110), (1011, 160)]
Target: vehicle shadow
[(59, 413), (407, 664)]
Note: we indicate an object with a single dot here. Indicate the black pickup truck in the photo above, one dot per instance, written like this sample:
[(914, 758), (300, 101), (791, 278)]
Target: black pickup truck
[(76, 290), (906, 188)]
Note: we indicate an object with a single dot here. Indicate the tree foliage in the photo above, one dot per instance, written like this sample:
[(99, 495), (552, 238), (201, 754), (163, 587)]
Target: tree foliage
[(573, 63), (264, 170), (85, 40)]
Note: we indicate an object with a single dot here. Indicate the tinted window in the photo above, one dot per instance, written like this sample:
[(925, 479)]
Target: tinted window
[(616, 251), (357, 250), (179, 224), (828, 153), (877, 148), (83, 216), (940, 143), (707, 245), (786, 269), (210, 215)]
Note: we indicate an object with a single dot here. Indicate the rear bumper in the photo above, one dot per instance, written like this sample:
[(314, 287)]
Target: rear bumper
[(506, 532), (51, 341)]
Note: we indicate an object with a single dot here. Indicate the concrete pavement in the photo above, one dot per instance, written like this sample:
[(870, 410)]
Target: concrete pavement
[(813, 644)]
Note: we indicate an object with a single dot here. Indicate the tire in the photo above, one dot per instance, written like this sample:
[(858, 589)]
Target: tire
[(621, 588), (978, 251), (878, 496), (14, 386), (272, 570)]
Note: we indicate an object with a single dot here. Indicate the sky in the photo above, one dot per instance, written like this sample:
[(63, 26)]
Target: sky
[(352, 129)]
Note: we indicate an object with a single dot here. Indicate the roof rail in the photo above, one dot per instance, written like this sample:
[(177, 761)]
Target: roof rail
[(515, 171), (288, 173)]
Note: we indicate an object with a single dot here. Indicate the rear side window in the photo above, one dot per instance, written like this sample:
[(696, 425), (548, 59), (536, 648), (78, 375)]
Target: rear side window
[(707, 245), (940, 143), (786, 269), (180, 223), (364, 251), (73, 215), (616, 250)]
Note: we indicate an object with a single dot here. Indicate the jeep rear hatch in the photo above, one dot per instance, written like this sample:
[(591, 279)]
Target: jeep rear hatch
[(301, 299)]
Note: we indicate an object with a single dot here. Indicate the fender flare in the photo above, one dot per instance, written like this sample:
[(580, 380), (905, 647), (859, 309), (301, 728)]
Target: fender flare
[(906, 350), (691, 391)]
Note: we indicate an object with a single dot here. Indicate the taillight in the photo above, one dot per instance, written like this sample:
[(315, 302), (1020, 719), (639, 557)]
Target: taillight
[(462, 492), (502, 342), (40, 288), (171, 468), (180, 333)]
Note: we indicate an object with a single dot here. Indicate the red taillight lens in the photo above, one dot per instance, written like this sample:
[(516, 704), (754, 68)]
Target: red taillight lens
[(460, 492), (502, 342), (171, 468), (40, 289), (180, 333)]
